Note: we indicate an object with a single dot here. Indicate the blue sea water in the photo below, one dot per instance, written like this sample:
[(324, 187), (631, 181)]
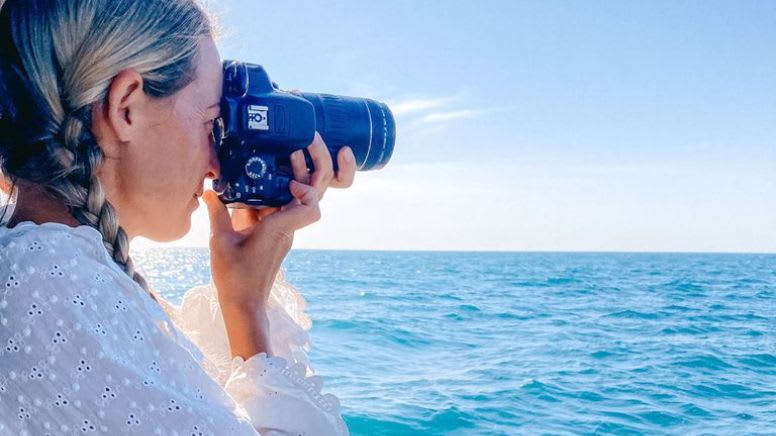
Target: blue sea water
[(533, 343)]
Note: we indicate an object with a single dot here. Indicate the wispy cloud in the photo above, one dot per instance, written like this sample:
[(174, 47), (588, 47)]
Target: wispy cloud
[(437, 117), (416, 105), (426, 116)]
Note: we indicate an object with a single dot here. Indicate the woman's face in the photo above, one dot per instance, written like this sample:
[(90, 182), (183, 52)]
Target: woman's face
[(163, 169)]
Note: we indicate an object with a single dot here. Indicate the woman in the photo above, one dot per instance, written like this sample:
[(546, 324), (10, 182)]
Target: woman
[(106, 114)]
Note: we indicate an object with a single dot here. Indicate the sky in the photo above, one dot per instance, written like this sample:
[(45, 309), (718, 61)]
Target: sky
[(537, 125)]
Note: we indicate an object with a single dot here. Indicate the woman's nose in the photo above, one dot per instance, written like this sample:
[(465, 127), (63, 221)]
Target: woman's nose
[(214, 166)]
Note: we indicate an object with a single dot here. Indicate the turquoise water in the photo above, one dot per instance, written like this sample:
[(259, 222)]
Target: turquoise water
[(533, 343)]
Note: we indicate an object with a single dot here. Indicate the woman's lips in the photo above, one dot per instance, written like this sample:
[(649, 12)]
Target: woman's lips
[(196, 196)]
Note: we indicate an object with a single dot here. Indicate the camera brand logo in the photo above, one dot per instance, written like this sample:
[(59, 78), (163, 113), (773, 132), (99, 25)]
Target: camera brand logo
[(257, 117)]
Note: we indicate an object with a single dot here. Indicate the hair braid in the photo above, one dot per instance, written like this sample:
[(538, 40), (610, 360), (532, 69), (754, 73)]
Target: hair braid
[(84, 194)]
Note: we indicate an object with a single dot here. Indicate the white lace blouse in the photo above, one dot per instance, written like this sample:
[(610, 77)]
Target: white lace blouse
[(83, 349)]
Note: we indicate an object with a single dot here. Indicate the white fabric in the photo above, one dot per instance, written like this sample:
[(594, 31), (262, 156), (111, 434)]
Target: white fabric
[(84, 349)]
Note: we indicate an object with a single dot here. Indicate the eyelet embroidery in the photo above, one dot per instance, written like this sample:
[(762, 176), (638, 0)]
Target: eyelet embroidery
[(50, 338)]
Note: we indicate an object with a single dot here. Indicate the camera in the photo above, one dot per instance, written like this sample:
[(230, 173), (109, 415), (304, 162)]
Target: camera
[(261, 125)]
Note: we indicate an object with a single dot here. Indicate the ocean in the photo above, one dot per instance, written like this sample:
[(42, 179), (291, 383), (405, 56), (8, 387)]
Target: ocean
[(455, 343)]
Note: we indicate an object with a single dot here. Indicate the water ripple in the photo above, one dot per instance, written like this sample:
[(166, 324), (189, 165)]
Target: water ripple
[(534, 343)]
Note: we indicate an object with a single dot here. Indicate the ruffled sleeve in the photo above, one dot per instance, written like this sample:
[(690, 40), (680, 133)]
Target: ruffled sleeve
[(280, 393)]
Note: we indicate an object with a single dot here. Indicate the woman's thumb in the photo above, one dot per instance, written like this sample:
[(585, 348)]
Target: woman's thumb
[(220, 221), (306, 194)]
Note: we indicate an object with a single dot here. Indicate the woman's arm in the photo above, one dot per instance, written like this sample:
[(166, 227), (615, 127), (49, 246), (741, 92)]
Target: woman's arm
[(277, 392), (247, 329)]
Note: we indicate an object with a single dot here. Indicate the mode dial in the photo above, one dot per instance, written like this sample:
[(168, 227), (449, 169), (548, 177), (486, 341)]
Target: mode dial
[(255, 168)]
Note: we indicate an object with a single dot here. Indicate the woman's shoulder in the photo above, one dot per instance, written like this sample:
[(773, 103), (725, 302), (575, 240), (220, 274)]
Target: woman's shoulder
[(55, 261), (57, 276), (31, 243), (30, 230)]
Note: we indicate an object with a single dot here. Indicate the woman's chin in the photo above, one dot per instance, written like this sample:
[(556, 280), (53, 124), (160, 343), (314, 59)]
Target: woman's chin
[(169, 231)]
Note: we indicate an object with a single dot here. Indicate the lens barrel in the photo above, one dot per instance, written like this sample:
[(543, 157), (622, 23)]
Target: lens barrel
[(365, 125)]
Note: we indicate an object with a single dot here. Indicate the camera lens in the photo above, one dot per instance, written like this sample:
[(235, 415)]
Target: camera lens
[(365, 125)]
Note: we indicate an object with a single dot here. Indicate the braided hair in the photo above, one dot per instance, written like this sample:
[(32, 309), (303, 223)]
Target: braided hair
[(57, 60)]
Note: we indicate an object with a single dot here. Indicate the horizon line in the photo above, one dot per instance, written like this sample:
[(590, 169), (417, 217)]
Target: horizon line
[(750, 253)]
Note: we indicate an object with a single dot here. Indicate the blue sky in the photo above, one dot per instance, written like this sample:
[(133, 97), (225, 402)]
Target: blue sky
[(543, 125)]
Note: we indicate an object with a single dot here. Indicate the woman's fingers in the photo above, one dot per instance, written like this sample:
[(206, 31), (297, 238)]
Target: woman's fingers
[(304, 193), (307, 210), (324, 170), (346, 172), (302, 211), (299, 166), (246, 218), (323, 175), (220, 222), (267, 211)]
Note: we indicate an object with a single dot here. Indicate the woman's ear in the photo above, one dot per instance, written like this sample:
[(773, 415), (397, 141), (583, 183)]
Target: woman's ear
[(124, 104), (5, 184)]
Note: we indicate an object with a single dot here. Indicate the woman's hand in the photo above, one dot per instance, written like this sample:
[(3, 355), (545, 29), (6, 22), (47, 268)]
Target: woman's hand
[(246, 252), (247, 249)]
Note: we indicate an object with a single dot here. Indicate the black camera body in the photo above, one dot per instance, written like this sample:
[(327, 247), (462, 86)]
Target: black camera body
[(262, 125)]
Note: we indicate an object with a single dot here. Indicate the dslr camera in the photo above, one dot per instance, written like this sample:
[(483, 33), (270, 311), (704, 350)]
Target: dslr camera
[(261, 125)]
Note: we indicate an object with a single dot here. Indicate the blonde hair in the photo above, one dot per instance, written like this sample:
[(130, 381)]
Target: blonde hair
[(57, 61)]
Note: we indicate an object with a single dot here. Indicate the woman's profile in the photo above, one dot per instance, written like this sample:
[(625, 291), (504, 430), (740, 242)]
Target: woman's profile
[(106, 116)]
